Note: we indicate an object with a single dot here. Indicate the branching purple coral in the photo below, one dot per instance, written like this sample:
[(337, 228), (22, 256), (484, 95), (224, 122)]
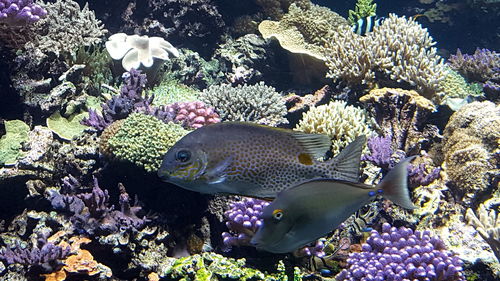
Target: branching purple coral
[(20, 12), (380, 152), (401, 254), (481, 66), (91, 211), (44, 254), (420, 177)]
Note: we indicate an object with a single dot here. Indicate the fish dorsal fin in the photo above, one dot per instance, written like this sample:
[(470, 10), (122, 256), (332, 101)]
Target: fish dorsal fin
[(348, 160), (315, 145)]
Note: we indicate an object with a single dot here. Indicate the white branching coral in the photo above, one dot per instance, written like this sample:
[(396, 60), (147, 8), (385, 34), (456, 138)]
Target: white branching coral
[(487, 224), (399, 50), (341, 122), (135, 50), (254, 103)]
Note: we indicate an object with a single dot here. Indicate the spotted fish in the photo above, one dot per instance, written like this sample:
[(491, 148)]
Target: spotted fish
[(304, 213), (254, 160)]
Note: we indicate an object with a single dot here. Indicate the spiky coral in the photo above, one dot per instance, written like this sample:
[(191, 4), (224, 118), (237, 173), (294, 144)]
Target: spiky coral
[(256, 103), (341, 122), (400, 50), (481, 66)]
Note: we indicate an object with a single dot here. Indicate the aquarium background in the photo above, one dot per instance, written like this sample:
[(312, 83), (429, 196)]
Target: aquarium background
[(94, 94)]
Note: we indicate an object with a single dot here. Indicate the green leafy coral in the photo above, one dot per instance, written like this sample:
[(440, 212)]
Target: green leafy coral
[(211, 266), (11, 142), (143, 140), (363, 9), (67, 128)]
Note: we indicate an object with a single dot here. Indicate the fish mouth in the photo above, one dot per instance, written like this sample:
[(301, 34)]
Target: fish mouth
[(163, 174)]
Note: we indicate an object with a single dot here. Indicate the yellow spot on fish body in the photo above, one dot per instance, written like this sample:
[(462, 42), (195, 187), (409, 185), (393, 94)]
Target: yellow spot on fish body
[(305, 159), (277, 211)]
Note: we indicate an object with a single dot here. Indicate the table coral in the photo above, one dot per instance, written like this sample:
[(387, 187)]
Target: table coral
[(471, 140), (402, 115), (341, 122), (144, 139), (252, 103), (400, 50)]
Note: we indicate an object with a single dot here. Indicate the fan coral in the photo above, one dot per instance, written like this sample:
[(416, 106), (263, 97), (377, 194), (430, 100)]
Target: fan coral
[(20, 12), (66, 28), (401, 254), (135, 50), (256, 103), (401, 114), (341, 122), (471, 140), (400, 50), (143, 140), (481, 66), (192, 115)]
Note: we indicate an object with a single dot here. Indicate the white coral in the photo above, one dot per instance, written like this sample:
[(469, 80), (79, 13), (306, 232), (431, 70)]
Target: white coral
[(135, 50)]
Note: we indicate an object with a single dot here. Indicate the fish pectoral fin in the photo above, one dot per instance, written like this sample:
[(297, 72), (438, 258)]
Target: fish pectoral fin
[(314, 144), (218, 173), (348, 160)]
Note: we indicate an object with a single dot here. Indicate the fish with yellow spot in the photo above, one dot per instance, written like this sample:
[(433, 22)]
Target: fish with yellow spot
[(254, 160), (308, 211)]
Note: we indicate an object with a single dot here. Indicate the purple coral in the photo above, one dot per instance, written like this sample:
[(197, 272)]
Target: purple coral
[(481, 66), (419, 176), (20, 12), (243, 221), (192, 114), (44, 254), (401, 254), (91, 211), (380, 152)]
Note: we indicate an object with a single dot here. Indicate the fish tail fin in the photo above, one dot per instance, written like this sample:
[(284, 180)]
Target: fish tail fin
[(345, 166), (394, 185)]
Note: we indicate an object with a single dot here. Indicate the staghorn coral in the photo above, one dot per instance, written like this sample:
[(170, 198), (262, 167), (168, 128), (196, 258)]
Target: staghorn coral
[(143, 140), (399, 51), (253, 103), (487, 223), (66, 28), (401, 114), (471, 140), (402, 254), (341, 122)]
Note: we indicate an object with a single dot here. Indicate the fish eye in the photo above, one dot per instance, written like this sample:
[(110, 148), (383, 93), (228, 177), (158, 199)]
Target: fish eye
[(278, 214), (183, 156)]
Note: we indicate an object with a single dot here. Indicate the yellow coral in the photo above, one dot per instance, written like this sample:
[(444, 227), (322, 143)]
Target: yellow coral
[(341, 122), (376, 95)]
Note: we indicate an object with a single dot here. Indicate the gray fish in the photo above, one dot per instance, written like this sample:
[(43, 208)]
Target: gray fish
[(304, 213), (254, 160)]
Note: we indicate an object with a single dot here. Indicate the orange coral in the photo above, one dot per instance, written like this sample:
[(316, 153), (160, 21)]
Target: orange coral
[(55, 276)]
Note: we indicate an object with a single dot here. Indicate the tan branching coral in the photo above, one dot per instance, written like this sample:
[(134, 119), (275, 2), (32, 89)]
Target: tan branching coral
[(341, 122), (471, 141), (400, 50), (487, 223), (401, 114)]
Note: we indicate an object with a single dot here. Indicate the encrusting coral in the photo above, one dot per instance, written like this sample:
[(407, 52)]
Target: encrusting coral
[(341, 122), (400, 50), (252, 103), (471, 140)]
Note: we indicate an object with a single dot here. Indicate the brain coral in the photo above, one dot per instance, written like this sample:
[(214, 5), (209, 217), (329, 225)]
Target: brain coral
[(143, 140), (471, 141), (341, 122), (256, 103), (400, 50)]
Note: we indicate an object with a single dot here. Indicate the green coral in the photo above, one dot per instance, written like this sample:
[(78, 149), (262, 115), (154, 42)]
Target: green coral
[(171, 90), (11, 142), (456, 89), (143, 140), (363, 9), (211, 266), (97, 69), (67, 128)]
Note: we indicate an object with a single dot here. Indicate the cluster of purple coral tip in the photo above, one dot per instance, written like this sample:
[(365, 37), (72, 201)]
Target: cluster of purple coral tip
[(20, 12), (243, 221), (401, 254), (192, 114)]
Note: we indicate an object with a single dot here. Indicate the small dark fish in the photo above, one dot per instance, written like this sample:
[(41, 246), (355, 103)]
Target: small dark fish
[(365, 25), (304, 213), (254, 160)]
